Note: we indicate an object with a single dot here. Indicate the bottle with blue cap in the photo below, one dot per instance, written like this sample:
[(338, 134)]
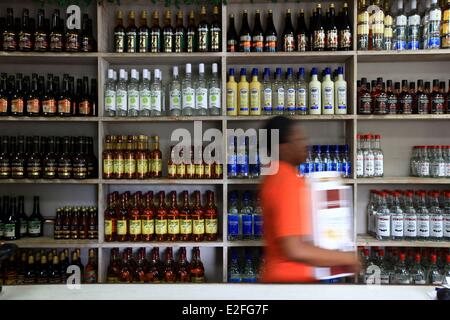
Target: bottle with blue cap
[(317, 157), (267, 93), (346, 168), (326, 158), (314, 96), (233, 217), (301, 98), (255, 94), (279, 93), (290, 93), (232, 157), (245, 217), (327, 93), (243, 94), (340, 92), (231, 94)]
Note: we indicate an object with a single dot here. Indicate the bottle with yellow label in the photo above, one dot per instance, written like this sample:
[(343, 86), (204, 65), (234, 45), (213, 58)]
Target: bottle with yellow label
[(231, 94), (243, 94), (156, 159), (161, 219), (198, 218), (122, 220), (255, 94)]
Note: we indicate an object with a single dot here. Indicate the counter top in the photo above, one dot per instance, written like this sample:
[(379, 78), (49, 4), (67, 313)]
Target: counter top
[(218, 292)]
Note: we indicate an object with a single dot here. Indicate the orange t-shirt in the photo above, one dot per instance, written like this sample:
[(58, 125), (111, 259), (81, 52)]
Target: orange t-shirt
[(285, 205)]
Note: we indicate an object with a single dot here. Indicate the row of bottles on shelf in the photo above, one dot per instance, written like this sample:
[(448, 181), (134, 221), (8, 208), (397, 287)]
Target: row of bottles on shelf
[(430, 161), (385, 27), (20, 96), (243, 161), (137, 268), (245, 219), (325, 32), (47, 157), (246, 268), (24, 35), (14, 222), (369, 156), (320, 158), (289, 96), (135, 217), (415, 266), (201, 37), (188, 96), (33, 266), (409, 215), (76, 223), (390, 99)]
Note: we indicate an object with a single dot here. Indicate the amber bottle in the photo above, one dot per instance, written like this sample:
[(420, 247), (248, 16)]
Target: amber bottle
[(169, 273), (119, 160), (135, 223), (122, 220), (185, 218), (171, 166), (198, 218), (173, 218), (196, 267), (190, 167), (161, 219), (141, 156), (108, 159), (211, 222), (183, 273), (147, 218), (156, 159)]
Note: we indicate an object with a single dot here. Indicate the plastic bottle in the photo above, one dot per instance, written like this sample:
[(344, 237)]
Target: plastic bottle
[(314, 96), (255, 94), (340, 93), (231, 94), (243, 94)]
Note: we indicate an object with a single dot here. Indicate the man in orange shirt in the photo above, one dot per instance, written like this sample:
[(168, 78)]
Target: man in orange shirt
[(289, 254)]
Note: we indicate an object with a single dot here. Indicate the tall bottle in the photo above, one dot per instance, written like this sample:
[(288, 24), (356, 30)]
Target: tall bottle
[(290, 92), (211, 222), (198, 218), (167, 33), (314, 93), (201, 92), (245, 37), (363, 26), (400, 28), (288, 33), (232, 36), (36, 221), (270, 35), (133, 94), (257, 34), (144, 33), (215, 38), (191, 34), (345, 30), (156, 91), (340, 93), (301, 98), (388, 27), (119, 34), (255, 94), (155, 33), (40, 35), (377, 27), (332, 30), (434, 26), (175, 94), (302, 33), (279, 96), (214, 92), (319, 35), (327, 93), (145, 94), (446, 27), (122, 95), (24, 36), (243, 94), (188, 93), (413, 39), (232, 94), (383, 219), (131, 33), (179, 34), (203, 32)]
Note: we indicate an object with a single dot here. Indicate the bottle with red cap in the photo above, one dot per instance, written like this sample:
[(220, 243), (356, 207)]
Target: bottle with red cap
[(410, 217), (434, 275), (369, 159), (397, 218), (401, 273), (383, 219), (447, 217), (378, 156), (423, 217), (446, 273), (436, 218), (417, 271), (359, 157)]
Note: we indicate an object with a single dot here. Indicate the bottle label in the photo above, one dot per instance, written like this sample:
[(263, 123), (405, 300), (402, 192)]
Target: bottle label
[(214, 98), (168, 41), (84, 107), (190, 41), (34, 227), (383, 225), (186, 226), (148, 227), (290, 99), (233, 225), (379, 165), (423, 105), (267, 97), (255, 100), (280, 99), (231, 45), (258, 43), (9, 230), (173, 226), (369, 165), (3, 105), (424, 169), (203, 39), (215, 38), (9, 41), (257, 225), (64, 106), (145, 99), (172, 170), (130, 166), (247, 230), (271, 43), (188, 98), (199, 170), (181, 170), (301, 100), (161, 226), (179, 41), (314, 98), (108, 228), (23, 228), (218, 170), (131, 42), (156, 100), (201, 97), (243, 99), (24, 41), (142, 166), (345, 39), (122, 227), (50, 169), (155, 41), (319, 40), (410, 226), (436, 226), (119, 167), (231, 100), (211, 226), (332, 39), (289, 43), (118, 42), (423, 226), (437, 105), (72, 42), (156, 166), (133, 100), (437, 169), (302, 42), (199, 226), (17, 105), (397, 222), (328, 101), (143, 41), (365, 105), (446, 226), (121, 100), (245, 43)]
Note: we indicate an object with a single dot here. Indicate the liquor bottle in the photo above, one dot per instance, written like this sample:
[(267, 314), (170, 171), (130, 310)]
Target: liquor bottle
[(17, 99), (436, 217), (279, 93), (423, 99), (35, 221), (405, 99), (113, 267), (156, 159), (87, 43), (72, 38), (257, 34), (121, 94), (133, 94), (215, 32), (33, 161), (255, 94), (56, 33), (49, 161), (11, 222), (173, 218), (340, 93), (201, 92), (446, 27), (301, 98), (249, 273), (188, 93), (147, 218), (434, 26), (290, 92), (243, 94), (345, 30), (64, 161), (49, 107), (90, 271), (182, 267), (328, 102), (129, 159), (302, 33), (17, 157), (5, 168), (267, 98), (400, 28), (122, 220), (232, 94), (288, 33), (119, 34), (30, 271), (423, 216), (234, 272), (179, 35), (211, 221), (245, 37), (196, 267), (214, 92), (144, 94), (232, 37), (167, 33), (331, 41), (85, 103), (144, 33), (40, 35), (9, 35), (418, 274), (270, 35), (363, 26), (434, 275), (397, 218), (135, 222), (376, 31), (131, 33), (157, 102), (23, 219), (191, 34), (388, 27), (141, 268), (203, 32), (141, 157), (401, 273), (25, 40), (161, 219), (198, 218), (64, 100), (118, 159), (245, 218), (378, 157), (169, 268), (42, 274), (437, 99), (314, 93), (318, 32), (413, 34)]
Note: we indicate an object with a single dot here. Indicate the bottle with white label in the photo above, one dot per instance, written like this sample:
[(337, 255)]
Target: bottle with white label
[(446, 217), (301, 99), (201, 92), (397, 218), (436, 218), (400, 27), (133, 94), (424, 25), (315, 93), (255, 94), (413, 40), (231, 94), (175, 94), (267, 93), (278, 94), (110, 94), (383, 219), (187, 93), (437, 163), (121, 94), (156, 95), (327, 93), (423, 218), (145, 94), (290, 93), (410, 218), (378, 156), (434, 26), (243, 94), (369, 158), (214, 92), (359, 157), (340, 93)]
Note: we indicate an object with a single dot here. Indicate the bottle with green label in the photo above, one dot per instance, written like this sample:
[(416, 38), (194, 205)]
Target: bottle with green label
[(201, 92), (243, 94), (255, 94), (11, 223), (144, 94), (122, 94), (156, 95), (214, 92), (231, 94), (188, 93), (133, 94), (110, 94), (175, 94), (36, 221)]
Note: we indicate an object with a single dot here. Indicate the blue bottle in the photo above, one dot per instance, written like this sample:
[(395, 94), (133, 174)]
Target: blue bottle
[(253, 155), (242, 160), (318, 163), (234, 272), (232, 158), (257, 219), (346, 167), (233, 217), (326, 158), (246, 217), (249, 274)]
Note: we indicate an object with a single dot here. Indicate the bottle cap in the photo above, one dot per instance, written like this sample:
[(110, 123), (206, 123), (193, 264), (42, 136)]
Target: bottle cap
[(267, 71), (377, 136), (231, 72), (145, 74), (214, 68), (290, 71), (243, 71), (188, 68), (110, 74), (327, 71), (278, 71), (301, 71), (134, 74), (255, 72), (201, 68), (158, 74), (340, 70), (175, 71), (314, 71)]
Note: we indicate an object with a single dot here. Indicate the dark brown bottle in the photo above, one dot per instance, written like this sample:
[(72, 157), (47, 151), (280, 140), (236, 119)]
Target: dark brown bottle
[(332, 30), (92, 225), (191, 33), (72, 39), (74, 223), (216, 32), (79, 163), (119, 34), (11, 222), (179, 34), (40, 35), (318, 31), (78, 97), (412, 92), (9, 34), (43, 276), (302, 33), (167, 33), (83, 224), (66, 222), (345, 30), (245, 36), (33, 98), (169, 273), (56, 33), (437, 99), (198, 218), (54, 274), (147, 218), (406, 99), (131, 33), (17, 158), (64, 160), (365, 98), (135, 223), (34, 163), (65, 100), (423, 99), (25, 39), (85, 101), (91, 159), (144, 33), (203, 32), (36, 221), (288, 33), (57, 229), (88, 43), (392, 98), (17, 99), (183, 272), (5, 168), (232, 37), (49, 107), (49, 158), (30, 271), (196, 267), (155, 34), (380, 98), (22, 216), (5, 107)]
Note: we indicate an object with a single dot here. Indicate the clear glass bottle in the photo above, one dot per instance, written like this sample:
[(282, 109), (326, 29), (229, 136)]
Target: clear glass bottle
[(401, 273), (434, 275), (423, 217), (201, 92), (378, 157), (383, 219), (436, 218), (369, 158), (133, 94), (317, 157), (245, 218), (188, 93), (122, 94), (267, 93), (424, 162), (413, 39), (388, 27), (145, 94), (175, 94), (397, 218), (371, 212), (377, 21), (418, 274), (110, 95), (290, 93), (359, 158), (279, 94), (363, 26), (249, 273), (301, 99), (434, 26), (400, 28), (410, 217), (157, 95), (214, 92), (424, 25), (234, 272), (437, 163), (414, 162), (346, 166), (447, 217), (233, 217)]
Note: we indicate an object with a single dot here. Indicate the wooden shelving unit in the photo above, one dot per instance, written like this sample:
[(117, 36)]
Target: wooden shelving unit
[(334, 129)]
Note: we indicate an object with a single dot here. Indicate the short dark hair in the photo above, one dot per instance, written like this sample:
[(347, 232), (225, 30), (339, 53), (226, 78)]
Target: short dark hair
[(283, 125)]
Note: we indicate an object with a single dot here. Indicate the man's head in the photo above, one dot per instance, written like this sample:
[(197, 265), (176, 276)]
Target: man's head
[(292, 141)]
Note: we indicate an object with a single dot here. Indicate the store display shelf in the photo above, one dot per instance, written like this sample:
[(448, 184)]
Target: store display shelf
[(244, 181), (46, 242), (404, 56), (48, 181), (404, 117), (245, 243), (161, 58), (161, 119), (51, 58), (49, 119), (365, 240), (402, 180), (164, 181), (211, 244), (297, 117), (287, 57)]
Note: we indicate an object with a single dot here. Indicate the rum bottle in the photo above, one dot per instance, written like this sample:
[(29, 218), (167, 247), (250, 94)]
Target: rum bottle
[(49, 107), (392, 98), (232, 37), (319, 31), (5, 168), (169, 269), (161, 219), (17, 158), (196, 267), (72, 40), (9, 34), (144, 33), (216, 32), (4, 98), (119, 160), (203, 33), (17, 99), (122, 220), (156, 159), (33, 162), (167, 32), (56, 34), (135, 223), (437, 99), (131, 33), (49, 160), (129, 160), (110, 219), (191, 34), (270, 35), (87, 42), (183, 272), (147, 218), (288, 33), (179, 34), (365, 99), (119, 34), (25, 40), (173, 218), (211, 222), (406, 99), (198, 218), (363, 26), (65, 100), (423, 99), (185, 218), (245, 37), (90, 272), (142, 158), (40, 35)]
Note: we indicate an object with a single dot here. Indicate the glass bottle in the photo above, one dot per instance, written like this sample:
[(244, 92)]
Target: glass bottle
[(388, 27), (319, 35), (410, 217), (383, 219), (332, 42), (144, 33), (119, 34), (211, 222), (270, 35), (179, 34), (110, 219), (288, 33), (279, 93), (147, 218), (301, 94), (397, 218), (182, 267), (156, 91), (413, 33), (405, 99), (436, 218), (214, 92), (401, 22), (173, 218), (122, 95), (123, 219), (156, 159), (215, 32), (56, 34), (188, 93), (363, 26), (175, 94), (191, 34), (423, 217), (203, 32), (345, 30), (401, 274), (437, 99), (423, 99), (434, 275), (40, 35), (257, 34), (144, 95), (198, 218), (131, 33), (135, 222), (155, 34), (378, 157), (201, 92), (161, 218), (133, 94), (232, 36), (434, 26), (245, 36), (445, 25), (167, 32), (35, 221), (24, 36), (196, 267), (33, 161)]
